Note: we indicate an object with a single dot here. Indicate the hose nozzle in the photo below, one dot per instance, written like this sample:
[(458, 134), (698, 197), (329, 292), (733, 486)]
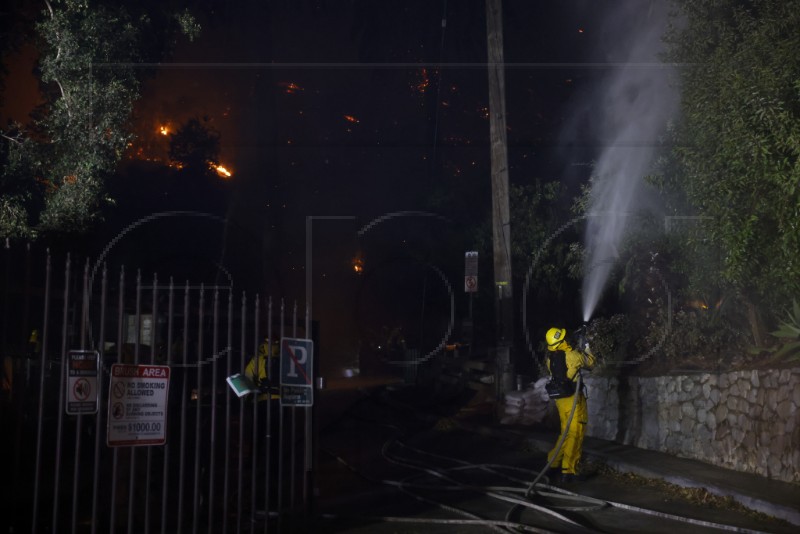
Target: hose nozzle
[(581, 337)]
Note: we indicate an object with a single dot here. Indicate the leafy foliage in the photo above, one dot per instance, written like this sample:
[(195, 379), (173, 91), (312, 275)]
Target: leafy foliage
[(738, 140), (699, 337), (54, 169), (609, 338), (535, 219), (789, 335), (188, 24)]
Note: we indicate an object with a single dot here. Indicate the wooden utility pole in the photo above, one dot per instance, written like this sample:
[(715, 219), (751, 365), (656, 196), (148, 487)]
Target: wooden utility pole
[(501, 222)]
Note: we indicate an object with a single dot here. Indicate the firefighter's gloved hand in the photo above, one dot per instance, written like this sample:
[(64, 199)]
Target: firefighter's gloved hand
[(582, 342)]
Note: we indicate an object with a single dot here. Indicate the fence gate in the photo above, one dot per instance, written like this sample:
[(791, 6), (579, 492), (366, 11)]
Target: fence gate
[(116, 412)]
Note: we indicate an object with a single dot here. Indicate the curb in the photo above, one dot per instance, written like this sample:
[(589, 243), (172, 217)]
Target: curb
[(779, 511), (613, 459)]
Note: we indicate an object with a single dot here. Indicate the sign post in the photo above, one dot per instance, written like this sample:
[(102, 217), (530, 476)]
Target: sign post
[(297, 372), (82, 366), (470, 287), (137, 405)]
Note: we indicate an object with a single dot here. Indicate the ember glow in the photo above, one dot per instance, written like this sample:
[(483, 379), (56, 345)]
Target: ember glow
[(422, 82), (222, 171), (350, 118), (290, 88)]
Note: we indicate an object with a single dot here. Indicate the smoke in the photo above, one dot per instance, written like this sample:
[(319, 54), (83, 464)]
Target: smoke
[(623, 114)]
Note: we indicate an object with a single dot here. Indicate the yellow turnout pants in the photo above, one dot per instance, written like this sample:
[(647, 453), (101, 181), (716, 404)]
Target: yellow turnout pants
[(570, 453)]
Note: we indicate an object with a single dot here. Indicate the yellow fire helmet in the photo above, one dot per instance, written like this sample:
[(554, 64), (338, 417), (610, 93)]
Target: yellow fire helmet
[(554, 337), (264, 349)]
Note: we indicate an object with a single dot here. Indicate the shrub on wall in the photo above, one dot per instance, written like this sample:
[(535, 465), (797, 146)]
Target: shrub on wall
[(703, 338), (609, 338)]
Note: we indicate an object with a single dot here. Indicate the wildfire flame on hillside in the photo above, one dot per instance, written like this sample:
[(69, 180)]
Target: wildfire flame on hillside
[(290, 88), (151, 146), (422, 81), (222, 171)]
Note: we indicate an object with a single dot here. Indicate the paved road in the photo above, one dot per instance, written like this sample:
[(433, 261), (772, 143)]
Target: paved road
[(389, 469)]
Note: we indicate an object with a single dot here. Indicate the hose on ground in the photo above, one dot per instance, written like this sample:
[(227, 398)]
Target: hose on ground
[(508, 494)]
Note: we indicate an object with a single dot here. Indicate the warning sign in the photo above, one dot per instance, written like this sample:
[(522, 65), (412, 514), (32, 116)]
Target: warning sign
[(81, 387), (471, 271), (470, 284), (297, 357), (137, 405)]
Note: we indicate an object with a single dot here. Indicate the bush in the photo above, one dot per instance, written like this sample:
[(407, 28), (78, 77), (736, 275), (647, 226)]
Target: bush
[(788, 348), (609, 338), (700, 338)]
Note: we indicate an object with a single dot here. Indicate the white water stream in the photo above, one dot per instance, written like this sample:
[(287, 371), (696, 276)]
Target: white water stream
[(626, 113)]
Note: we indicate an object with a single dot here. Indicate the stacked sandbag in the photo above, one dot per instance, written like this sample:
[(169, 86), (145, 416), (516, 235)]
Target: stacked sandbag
[(528, 406), (514, 405)]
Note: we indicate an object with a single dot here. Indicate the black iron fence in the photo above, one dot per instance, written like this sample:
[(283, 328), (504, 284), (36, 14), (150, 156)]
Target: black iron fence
[(220, 463)]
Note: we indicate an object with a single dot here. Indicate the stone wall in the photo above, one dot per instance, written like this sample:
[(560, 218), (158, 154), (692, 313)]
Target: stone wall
[(743, 420)]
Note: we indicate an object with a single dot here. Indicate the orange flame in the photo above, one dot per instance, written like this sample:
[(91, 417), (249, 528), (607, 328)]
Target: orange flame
[(350, 118), (163, 130), (423, 81), (697, 304), (290, 88), (222, 171)]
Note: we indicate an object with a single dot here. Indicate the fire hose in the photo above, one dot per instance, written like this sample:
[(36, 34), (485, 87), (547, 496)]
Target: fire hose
[(595, 504), (561, 439), (503, 493)]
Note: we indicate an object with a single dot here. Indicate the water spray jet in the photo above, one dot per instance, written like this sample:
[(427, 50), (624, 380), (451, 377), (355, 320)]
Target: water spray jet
[(627, 113)]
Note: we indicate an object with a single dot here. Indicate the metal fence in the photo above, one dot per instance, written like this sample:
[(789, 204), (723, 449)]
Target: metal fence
[(226, 464)]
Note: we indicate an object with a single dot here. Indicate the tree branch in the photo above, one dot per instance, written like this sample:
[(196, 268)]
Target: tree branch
[(13, 139), (58, 55)]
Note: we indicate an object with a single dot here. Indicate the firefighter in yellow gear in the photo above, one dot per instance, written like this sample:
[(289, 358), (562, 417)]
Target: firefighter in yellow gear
[(261, 367), (564, 366)]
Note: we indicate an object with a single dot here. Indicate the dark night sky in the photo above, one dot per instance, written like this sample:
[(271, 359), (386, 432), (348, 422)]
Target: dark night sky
[(370, 107), (296, 153)]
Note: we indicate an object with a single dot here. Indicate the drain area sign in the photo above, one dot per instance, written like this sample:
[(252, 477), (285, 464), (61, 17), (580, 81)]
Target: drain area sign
[(137, 405)]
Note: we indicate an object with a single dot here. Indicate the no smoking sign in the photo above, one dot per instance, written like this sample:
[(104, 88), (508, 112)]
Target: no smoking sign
[(137, 405), (81, 390), (82, 366)]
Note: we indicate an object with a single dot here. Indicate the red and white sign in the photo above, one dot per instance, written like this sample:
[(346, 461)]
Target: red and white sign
[(137, 405), (471, 271), (470, 284), (82, 384)]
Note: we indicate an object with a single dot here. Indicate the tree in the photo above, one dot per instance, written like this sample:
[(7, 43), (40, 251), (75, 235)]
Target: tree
[(195, 146), (536, 217), (54, 169), (544, 256), (737, 141)]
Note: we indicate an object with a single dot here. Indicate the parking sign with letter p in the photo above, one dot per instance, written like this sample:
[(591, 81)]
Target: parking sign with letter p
[(297, 372)]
